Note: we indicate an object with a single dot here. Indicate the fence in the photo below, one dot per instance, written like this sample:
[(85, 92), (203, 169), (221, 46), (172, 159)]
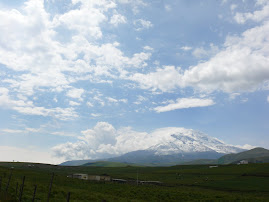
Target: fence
[(4, 192)]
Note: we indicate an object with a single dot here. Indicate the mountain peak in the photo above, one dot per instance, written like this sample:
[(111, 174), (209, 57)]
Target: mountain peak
[(190, 141)]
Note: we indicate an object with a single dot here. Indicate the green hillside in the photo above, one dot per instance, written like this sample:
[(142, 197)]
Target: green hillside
[(256, 153)]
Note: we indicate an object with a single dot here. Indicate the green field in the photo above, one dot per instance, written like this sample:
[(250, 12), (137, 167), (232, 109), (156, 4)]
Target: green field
[(180, 183)]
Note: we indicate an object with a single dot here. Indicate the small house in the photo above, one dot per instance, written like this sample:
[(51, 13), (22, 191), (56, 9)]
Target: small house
[(243, 162), (80, 176), (99, 177)]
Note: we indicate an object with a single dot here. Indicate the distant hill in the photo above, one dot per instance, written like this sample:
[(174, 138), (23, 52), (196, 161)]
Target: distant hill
[(254, 155), (149, 158), (108, 164)]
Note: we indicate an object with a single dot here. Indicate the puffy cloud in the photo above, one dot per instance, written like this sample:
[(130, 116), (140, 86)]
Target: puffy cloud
[(241, 66), (142, 24), (182, 103), (87, 18), (75, 93), (268, 98), (256, 16), (43, 64), (117, 19), (202, 52), (164, 79), (103, 140)]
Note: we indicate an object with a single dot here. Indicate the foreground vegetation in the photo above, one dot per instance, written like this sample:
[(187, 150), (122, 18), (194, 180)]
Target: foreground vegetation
[(180, 183)]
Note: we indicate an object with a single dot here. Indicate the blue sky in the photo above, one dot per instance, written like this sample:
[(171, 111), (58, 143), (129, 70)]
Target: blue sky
[(90, 79)]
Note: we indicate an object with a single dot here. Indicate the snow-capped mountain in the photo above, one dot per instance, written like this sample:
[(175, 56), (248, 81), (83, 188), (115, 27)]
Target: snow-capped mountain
[(182, 145), (170, 146), (190, 142)]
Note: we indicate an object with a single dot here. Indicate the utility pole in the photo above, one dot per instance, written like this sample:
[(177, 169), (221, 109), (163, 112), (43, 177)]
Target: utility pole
[(137, 177)]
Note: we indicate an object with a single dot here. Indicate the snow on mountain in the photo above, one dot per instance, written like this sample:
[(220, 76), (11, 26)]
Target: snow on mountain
[(190, 141)]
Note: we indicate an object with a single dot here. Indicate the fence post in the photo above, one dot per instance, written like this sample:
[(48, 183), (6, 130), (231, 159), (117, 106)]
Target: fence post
[(17, 189), (21, 191), (34, 194), (68, 197), (9, 178), (50, 187)]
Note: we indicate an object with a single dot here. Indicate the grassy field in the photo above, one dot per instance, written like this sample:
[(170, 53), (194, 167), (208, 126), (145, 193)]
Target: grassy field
[(180, 183)]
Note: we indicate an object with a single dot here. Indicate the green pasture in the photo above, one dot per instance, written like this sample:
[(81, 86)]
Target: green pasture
[(179, 183)]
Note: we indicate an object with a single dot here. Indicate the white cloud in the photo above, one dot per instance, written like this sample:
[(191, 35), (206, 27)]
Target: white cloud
[(25, 130), (75, 93), (103, 141), (72, 103), (202, 52), (186, 48), (12, 131), (233, 95), (33, 130), (62, 133), (246, 146), (167, 7), (89, 104), (123, 100), (95, 115), (43, 62), (28, 107), (135, 5), (233, 7), (268, 98), (117, 19), (87, 18), (142, 24), (140, 99), (256, 16), (240, 66), (182, 103), (8, 153), (164, 79)]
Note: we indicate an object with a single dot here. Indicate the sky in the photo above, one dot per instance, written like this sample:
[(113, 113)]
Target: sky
[(86, 79)]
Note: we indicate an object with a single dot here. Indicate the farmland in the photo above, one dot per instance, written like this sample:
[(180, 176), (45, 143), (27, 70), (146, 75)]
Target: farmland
[(180, 183)]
